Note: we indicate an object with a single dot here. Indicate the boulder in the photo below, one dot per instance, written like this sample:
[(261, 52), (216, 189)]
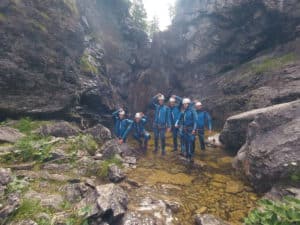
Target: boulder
[(99, 133), (10, 206), (107, 202), (8, 134), (271, 151), (208, 219), (5, 176), (112, 200), (110, 148), (59, 129), (115, 174)]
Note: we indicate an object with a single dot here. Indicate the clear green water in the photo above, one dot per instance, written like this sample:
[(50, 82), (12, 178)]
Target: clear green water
[(211, 186)]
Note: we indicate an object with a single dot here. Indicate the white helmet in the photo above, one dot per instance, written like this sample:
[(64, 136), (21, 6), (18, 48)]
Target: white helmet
[(161, 97), (172, 99), (186, 101), (122, 112), (198, 104), (138, 116)]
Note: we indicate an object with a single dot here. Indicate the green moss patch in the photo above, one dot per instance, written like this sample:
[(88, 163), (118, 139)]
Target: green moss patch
[(86, 66), (273, 63)]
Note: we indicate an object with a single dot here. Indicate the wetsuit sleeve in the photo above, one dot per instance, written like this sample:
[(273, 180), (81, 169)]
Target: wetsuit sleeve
[(115, 114), (208, 120), (179, 101), (154, 102), (144, 119), (179, 119), (195, 116), (129, 127)]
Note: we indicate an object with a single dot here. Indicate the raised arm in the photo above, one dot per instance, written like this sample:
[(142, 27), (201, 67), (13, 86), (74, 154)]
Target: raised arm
[(178, 100), (179, 119), (116, 113), (154, 101)]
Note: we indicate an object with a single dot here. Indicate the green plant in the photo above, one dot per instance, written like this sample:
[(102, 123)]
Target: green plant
[(273, 63), (29, 209), (83, 142), (106, 163), (32, 147), (17, 185), (285, 212), (86, 66)]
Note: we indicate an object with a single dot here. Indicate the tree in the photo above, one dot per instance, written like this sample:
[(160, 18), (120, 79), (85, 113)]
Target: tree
[(172, 11), (153, 26), (139, 14)]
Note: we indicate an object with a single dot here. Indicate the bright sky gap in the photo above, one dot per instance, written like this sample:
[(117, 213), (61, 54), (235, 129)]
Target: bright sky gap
[(159, 8)]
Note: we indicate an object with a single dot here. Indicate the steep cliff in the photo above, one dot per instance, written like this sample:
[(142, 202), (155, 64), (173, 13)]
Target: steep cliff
[(65, 58), (233, 55)]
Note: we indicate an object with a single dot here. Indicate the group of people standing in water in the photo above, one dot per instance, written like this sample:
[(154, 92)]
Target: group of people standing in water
[(183, 118)]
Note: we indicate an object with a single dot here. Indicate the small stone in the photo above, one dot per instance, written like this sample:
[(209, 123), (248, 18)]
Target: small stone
[(8, 134), (201, 210)]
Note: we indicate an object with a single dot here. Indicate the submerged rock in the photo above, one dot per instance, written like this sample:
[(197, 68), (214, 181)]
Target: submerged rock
[(8, 134), (271, 152), (208, 219)]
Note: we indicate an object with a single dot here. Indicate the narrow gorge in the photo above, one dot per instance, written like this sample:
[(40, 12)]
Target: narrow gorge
[(66, 65)]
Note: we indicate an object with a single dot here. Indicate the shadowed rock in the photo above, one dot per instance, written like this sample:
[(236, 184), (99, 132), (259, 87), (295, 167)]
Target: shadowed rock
[(271, 152)]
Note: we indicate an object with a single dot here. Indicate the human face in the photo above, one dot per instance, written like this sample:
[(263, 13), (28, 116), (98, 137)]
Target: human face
[(161, 102), (185, 105), (137, 119), (172, 104), (198, 107), (121, 116)]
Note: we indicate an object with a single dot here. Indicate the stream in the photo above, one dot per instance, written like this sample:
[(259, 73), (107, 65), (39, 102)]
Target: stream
[(173, 191)]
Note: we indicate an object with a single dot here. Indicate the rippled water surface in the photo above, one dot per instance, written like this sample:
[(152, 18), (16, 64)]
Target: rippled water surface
[(210, 186)]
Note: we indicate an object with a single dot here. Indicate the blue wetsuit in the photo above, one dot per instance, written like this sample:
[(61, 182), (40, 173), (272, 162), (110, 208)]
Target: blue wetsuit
[(140, 133), (121, 126), (160, 124)]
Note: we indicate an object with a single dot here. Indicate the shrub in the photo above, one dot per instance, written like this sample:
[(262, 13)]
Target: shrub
[(286, 212), (83, 142), (32, 147), (27, 125), (29, 209), (106, 163)]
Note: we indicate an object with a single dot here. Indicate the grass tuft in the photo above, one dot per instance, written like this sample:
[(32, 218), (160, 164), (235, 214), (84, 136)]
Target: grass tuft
[(273, 63), (105, 165)]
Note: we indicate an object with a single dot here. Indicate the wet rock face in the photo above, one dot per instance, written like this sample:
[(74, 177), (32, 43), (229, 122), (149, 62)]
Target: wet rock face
[(202, 53), (271, 151), (58, 58), (38, 60)]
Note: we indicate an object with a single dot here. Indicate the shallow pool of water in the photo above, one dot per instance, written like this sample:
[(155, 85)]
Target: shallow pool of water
[(210, 186)]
